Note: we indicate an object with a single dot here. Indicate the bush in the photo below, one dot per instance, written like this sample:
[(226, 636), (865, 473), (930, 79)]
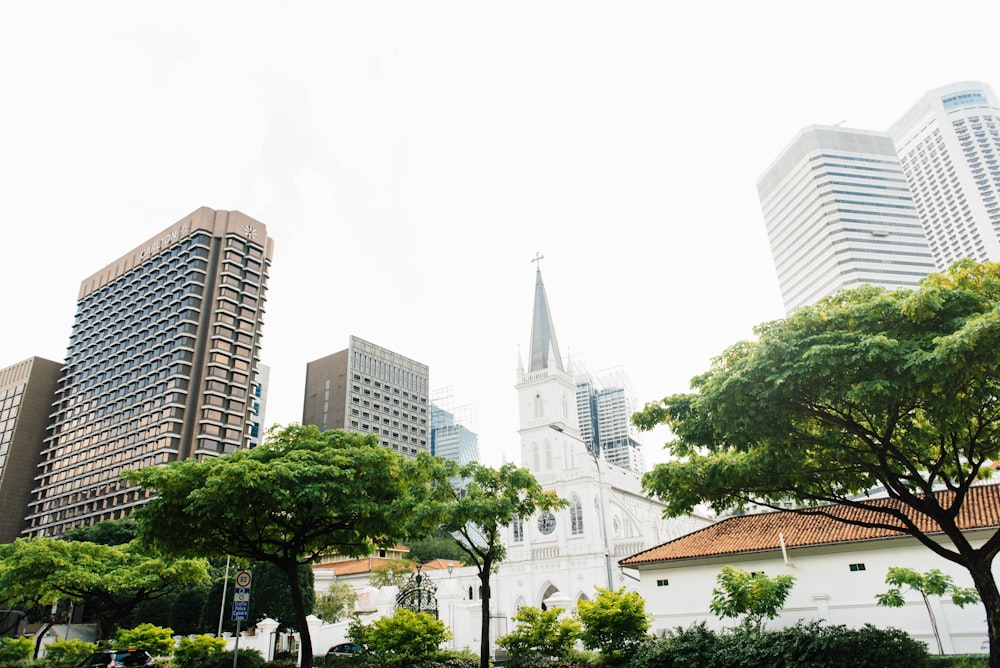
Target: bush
[(405, 636), (959, 661), (248, 658), (16, 649), (540, 633), (156, 640), (614, 623), (68, 652), (191, 652), (805, 645)]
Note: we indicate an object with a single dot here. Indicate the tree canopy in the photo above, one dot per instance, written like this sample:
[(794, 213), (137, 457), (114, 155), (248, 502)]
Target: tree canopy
[(288, 501), (866, 390), (615, 622), (110, 580), (754, 596), (476, 513)]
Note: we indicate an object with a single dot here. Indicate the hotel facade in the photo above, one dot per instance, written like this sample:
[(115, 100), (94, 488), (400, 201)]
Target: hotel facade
[(160, 367)]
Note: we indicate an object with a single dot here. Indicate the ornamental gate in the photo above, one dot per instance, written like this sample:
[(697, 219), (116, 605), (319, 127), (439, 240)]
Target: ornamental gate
[(418, 594)]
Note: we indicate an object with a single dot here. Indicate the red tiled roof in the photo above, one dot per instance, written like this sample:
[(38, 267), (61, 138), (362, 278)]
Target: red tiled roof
[(367, 564), (760, 532)]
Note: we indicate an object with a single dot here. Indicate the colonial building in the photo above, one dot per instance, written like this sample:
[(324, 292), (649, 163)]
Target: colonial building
[(839, 568)]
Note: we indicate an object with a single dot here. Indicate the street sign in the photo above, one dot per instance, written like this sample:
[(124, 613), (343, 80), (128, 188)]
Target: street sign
[(241, 597)]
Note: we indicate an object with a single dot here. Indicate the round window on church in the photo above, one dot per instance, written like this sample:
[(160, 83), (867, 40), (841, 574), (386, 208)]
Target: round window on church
[(546, 523)]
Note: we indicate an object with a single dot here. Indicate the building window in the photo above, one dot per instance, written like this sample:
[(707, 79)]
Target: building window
[(662, 583), (857, 567), (575, 516), (518, 530)]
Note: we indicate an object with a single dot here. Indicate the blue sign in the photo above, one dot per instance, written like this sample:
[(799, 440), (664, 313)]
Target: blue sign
[(241, 604)]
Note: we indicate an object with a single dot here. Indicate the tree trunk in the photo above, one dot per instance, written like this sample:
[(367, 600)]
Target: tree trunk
[(982, 576), (934, 626), (295, 589), (484, 629)]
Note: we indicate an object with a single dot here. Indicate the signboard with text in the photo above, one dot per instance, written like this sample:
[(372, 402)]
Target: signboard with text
[(241, 597)]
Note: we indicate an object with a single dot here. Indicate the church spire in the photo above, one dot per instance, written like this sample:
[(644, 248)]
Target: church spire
[(544, 347)]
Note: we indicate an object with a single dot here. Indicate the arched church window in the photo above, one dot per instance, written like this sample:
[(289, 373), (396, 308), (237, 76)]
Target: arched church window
[(575, 515), (539, 406), (535, 465), (518, 530), (548, 456)]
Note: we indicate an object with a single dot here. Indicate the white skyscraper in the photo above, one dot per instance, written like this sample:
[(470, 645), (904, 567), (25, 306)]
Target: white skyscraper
[(839, 214), (949, 146)]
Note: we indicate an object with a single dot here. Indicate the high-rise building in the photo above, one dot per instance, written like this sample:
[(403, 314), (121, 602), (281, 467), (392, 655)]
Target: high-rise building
[(258, 405), (160, 366), (839, 214), (949, 147), (372, 390), (27, 390), (451, 435), (605, 404)]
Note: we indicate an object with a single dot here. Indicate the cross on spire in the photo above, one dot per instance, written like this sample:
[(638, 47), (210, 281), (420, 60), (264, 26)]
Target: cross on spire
[(537, 260)]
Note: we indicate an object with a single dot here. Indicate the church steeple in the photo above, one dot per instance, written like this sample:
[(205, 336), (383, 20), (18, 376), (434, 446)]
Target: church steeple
[(544, 347)]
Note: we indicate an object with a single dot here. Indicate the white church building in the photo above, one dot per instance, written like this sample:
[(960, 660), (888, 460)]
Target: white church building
[(562, 556), (553, 559)]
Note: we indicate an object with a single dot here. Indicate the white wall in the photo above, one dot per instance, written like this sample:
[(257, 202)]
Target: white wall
[(825, 589)]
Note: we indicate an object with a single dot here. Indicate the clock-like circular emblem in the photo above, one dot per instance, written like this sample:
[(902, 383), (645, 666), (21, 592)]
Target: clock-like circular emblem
[(546, 523)]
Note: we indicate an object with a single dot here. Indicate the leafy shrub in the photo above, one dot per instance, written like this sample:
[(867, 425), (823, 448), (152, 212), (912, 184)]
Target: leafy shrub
[(156, 640), (805, 645), (406, 635), (191, 652), (248, 658), (69, 652), (540, 633), (958, 661), (16, 649), (614, 622)]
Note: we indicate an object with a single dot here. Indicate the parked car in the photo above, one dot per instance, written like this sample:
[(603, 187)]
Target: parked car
[(117, 658), (345, 649)]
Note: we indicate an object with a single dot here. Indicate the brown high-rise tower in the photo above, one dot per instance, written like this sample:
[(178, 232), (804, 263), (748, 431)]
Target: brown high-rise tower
[(160, 366)]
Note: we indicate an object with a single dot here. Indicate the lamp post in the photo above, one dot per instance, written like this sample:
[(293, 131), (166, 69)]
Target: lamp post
[(604, 510)]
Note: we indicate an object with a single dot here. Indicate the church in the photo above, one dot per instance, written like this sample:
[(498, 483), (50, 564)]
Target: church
[(558, 558), (554, 559)]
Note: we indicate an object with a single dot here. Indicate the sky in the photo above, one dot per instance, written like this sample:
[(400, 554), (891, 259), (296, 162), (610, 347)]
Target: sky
[(409, 159)]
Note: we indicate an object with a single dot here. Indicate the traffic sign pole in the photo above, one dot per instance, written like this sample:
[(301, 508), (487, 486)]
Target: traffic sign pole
[(241, 606)]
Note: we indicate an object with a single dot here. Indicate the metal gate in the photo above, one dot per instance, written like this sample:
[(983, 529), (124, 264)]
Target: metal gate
[(418, 594)]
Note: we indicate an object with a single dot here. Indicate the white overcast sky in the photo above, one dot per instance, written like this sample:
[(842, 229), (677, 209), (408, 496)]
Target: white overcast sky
[(409, 159)]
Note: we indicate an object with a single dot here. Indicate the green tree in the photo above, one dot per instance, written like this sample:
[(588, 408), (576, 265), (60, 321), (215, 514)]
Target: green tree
[(439, 546), (286, 502), (931, 583), (391, 573), (754, 596), (157, 640), (614, 622), (110, 532), (401, 639), (337, 603), (476, 515), (271, 597), (110, 580), (541, 633), (866, 389)]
